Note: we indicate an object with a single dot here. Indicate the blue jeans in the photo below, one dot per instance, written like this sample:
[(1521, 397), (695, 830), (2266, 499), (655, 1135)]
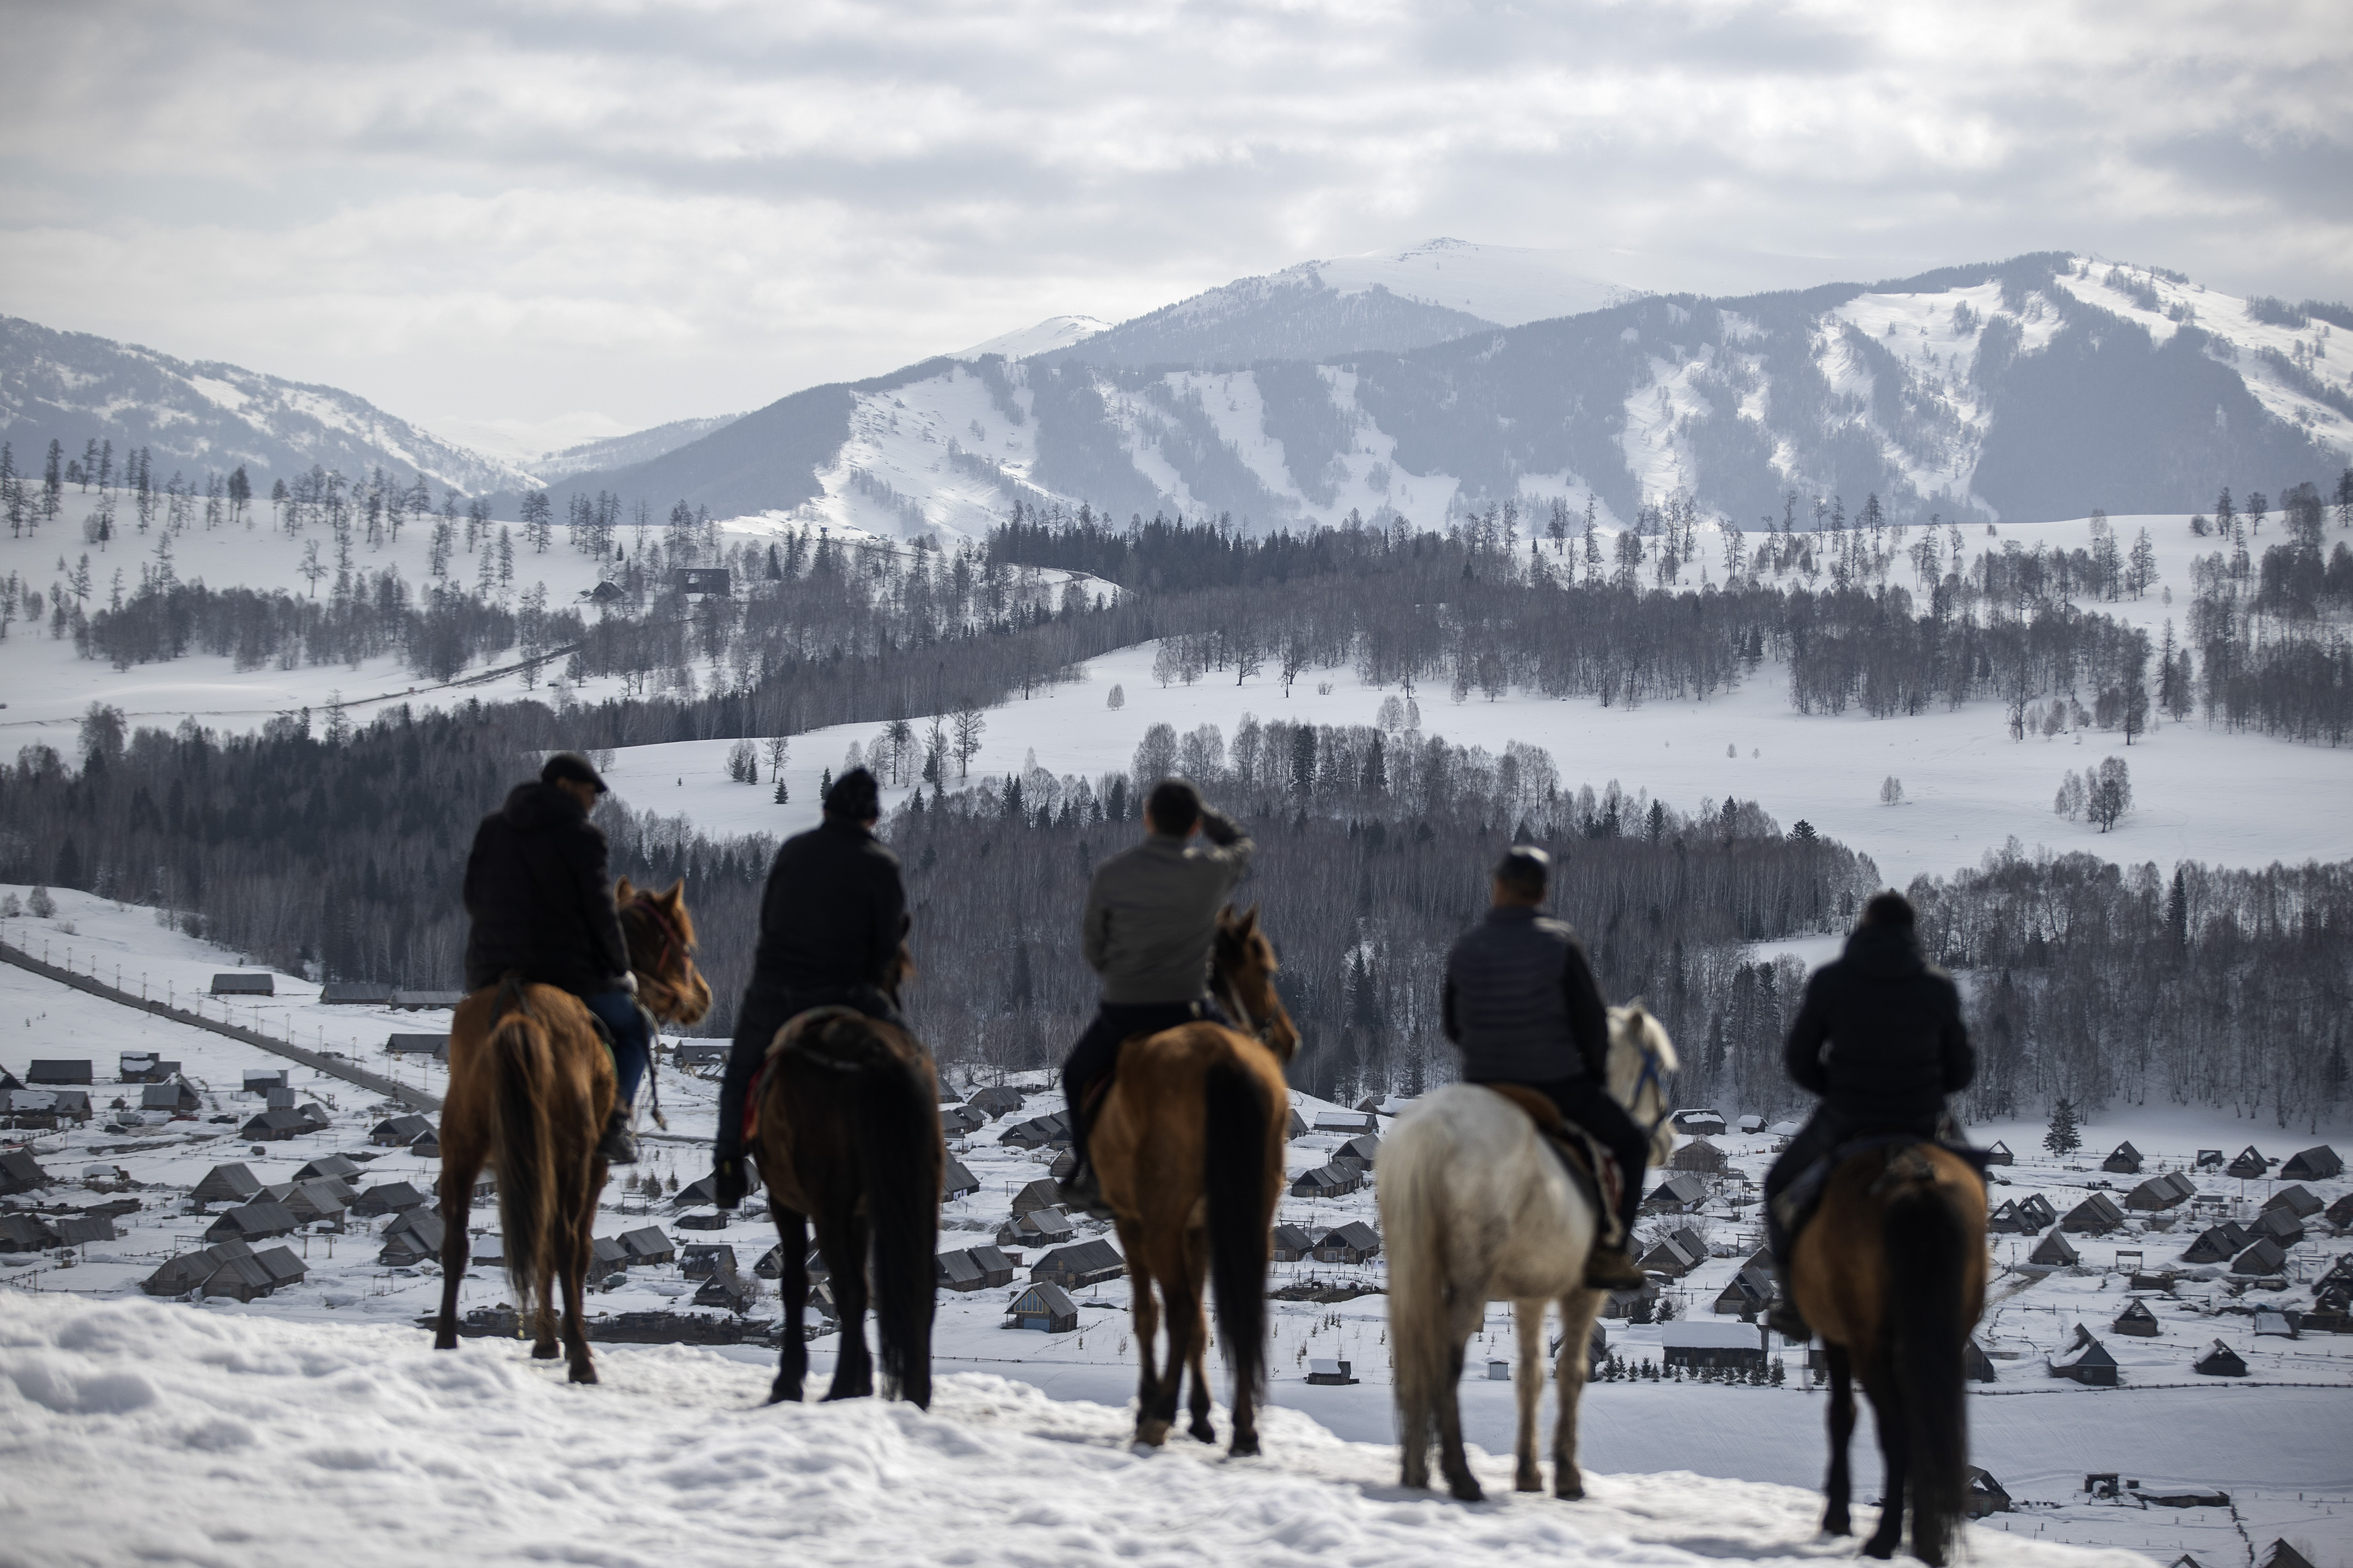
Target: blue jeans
[(632, 1042)]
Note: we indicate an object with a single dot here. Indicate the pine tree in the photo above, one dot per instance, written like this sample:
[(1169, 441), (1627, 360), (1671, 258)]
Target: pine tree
[(2063, 1138)]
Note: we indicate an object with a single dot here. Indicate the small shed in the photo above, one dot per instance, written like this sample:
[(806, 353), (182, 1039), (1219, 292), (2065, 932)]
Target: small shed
[(173, 1099), (226, 1184), (1080, 1265), (1985, 1494), (1749, 1293), (1328, 1182), (699, 1054), (956, 1181), (959, 1120), (998, 1101), (1348, 1121), (2009, 1219), (1697, 1122), (2298, 1201), (355, 993), (1037, 1132), (2039, 1209), (26, 1233), (996, 1268), (2207, 1160), (2280, 1225), (412, 1239), (956, 1271), (702, 1259), (435, 1046), (255, 1221), (1295, 1125), (82, 1229), (1676, 1254), (1331, 1371), (2086, 1361), (425, 1001), (398, 1132), (2260, 1260), (1701, 1155), (2139, 1320), (2339, 1214), (1355, 1242), (137, 1066), (254, 1275), (276, 1125), (245, 983), (2280, 1554), (606, 1256), (316, 1202), (341, 1166), (1039, 1227), (2250, 1165), (728, 1290), (184, 1272), (1751, 1125), (1976, 1366), (2218, 1244), (2096, 1215), (2221, 1360), (2055, 1251), (1693, 1343), (54, 1070), (648, 1244), (1681, 1193), (20, 1172), (2124, 1160), (1998, 1154), (1041, 1194), (1292, 1244), (1045, 1307), (1359, 1152), (2170, 1189), (2318, 1163), (699, 580), (2269, 1322), (1640, 1300), (387, 1198)]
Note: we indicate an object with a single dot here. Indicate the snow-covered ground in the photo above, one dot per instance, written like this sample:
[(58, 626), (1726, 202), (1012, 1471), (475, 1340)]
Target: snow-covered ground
[(203, 1393)]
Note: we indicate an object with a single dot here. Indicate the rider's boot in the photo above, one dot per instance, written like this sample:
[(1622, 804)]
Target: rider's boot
[(619, 1146), (1784, 1318), (1080, 1192), (1610, 1268)]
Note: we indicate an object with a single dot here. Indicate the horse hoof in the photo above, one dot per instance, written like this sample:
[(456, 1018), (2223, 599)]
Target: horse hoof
[(1202, 1431), (1243, 1449), (1883, 1549), (1152, 1431), (545, 1352), (1466, 1490), (1527, 1481), (1572, 1493), (445, 1341), (584, 1374), (1836, 1524)]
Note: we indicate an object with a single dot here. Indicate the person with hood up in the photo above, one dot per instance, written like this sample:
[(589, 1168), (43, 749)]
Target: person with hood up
[(541, 901), (1880, 1038)]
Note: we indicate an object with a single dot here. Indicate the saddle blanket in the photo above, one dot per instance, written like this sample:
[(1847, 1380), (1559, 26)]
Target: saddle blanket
[(1796, 1203), (1592, 1169)]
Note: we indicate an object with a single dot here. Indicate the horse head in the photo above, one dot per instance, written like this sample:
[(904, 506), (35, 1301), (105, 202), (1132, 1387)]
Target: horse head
[(660, 933), (1641, 1060), (1245, 965)]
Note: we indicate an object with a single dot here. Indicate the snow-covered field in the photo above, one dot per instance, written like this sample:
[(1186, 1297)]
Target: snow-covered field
[(200, 1385)]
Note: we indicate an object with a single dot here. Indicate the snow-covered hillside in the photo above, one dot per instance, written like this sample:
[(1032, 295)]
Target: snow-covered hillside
[(1044, 337), (208, 417), (1505, 284)]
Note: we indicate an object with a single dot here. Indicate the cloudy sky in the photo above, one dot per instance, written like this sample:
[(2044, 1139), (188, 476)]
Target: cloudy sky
[(586, 217)]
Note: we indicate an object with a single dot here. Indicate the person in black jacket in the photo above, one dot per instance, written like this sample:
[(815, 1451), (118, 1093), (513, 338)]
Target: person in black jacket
[(1880, 1038), (542, 907), (1522, 1003), (831, 919)]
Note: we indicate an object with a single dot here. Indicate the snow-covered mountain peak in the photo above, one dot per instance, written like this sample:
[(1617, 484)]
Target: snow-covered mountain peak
[(1506, 284), (1044, 337)]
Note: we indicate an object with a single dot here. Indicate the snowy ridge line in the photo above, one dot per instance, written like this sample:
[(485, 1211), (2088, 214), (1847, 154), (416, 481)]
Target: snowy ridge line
[(2151, 1387), (333, 1067)]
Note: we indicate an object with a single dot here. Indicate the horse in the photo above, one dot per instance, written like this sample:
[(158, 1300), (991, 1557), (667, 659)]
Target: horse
[(1891, 1272), (848, 1138), (1189, 1147), (530, 1088), (1475, 1208)]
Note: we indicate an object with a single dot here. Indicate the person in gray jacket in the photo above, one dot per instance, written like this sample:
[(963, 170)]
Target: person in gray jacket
[(1522, 1003), (1150, 925)]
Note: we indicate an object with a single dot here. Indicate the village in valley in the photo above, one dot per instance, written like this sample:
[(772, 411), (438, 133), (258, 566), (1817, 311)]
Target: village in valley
[(2164, 1363)]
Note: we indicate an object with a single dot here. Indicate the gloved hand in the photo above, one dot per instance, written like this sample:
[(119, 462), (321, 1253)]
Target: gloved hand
[(730, 1180), (630, 982)]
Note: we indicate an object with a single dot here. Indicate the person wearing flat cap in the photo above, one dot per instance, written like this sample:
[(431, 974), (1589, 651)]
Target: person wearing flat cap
[(541, 901)]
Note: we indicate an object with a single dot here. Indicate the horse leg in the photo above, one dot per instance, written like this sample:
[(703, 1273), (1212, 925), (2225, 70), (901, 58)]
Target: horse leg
[(1146, 1309), (1527, 1385), (579, 1243), (1196, 1264), (1889, 1417), (1450, 1461), (1182, 1308), (845, 1255), (458, 1172), (1835, 1490), (1577, 1310), (792, 1284)]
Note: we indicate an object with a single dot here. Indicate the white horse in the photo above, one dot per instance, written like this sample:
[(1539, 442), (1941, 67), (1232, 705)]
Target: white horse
[(1475, 1209)]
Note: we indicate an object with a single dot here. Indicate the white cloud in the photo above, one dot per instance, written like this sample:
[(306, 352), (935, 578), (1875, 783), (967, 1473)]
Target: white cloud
[(508, 212)]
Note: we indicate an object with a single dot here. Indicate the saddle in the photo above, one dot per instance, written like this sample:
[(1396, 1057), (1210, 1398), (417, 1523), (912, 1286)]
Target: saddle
[(1592, 1170), (806, 1037), (1796, 1203)]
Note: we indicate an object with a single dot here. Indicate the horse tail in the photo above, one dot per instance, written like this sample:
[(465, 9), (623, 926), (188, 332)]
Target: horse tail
[(1413, 1226), (523, 1059), (900, 1150), (1928, 1253), (1237, 1130)]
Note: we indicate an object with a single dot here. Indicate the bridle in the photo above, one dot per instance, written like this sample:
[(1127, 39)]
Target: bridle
[(673, 942), (1650, 1078), (1262, 1028)]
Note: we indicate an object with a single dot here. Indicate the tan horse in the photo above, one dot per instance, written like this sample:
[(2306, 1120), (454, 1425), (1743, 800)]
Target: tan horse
[(1189, 1147), (1891, 1272), (531, 1087)]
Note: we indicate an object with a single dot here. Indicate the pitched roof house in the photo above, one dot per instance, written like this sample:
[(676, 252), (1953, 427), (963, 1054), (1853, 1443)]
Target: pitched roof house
[(1044, 1307)]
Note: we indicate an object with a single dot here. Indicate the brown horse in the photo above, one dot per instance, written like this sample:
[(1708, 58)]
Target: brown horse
[(1188, 1146), (531, 1087), (1891, 1272), (848, 1137)]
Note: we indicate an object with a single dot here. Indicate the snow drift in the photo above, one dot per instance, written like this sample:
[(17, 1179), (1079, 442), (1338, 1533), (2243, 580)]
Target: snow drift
[(135, 1431)]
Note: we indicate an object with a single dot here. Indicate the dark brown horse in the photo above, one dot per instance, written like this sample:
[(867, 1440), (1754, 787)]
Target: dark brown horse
[(1188, 1146), (1891, 1272), (847, 1138), (531, 1087)]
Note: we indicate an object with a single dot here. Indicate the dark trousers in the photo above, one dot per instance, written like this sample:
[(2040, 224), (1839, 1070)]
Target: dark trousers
[(1824, 1130), (632, 1039), (1096, 1056), (765, 1011), (1589, 1104)]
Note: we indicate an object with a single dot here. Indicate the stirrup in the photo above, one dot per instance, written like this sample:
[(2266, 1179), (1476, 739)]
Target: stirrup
[(619, 1146)]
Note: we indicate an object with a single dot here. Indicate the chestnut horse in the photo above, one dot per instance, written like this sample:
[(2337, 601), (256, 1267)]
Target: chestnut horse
[(1891, 1272), (531, 1087), (1189, 1147), (848, 1137)]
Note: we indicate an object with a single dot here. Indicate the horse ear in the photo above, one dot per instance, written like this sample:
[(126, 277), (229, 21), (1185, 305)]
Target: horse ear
[(1250, 920), (622, 893), (677, 892)]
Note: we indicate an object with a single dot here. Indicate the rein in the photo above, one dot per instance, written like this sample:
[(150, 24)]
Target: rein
[(1650, 1079)]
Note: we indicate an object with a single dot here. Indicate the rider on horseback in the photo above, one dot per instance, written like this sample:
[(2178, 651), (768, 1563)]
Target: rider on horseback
[(1881, 1039), (1522, 1003), (1150, 927), (542, 907), (831, 919)]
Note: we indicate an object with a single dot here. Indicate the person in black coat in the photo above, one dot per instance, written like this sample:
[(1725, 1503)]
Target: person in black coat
[(1520, 1000), (1880, 1038), (831, 919), (541, 904)]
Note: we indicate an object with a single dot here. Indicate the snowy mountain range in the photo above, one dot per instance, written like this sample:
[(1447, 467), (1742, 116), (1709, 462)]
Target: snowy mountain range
[(2039, 387)]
